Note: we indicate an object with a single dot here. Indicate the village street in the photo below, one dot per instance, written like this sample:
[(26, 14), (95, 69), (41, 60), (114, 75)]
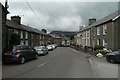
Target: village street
[(62, 62)]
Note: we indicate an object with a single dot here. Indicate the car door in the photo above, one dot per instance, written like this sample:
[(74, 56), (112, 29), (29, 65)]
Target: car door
[(26, 52), (31, 52)]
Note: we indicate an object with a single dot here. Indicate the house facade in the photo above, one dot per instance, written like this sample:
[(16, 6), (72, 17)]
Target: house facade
[(107, 31), (55, 39), (104, 32), (83, 37), (28, 35)]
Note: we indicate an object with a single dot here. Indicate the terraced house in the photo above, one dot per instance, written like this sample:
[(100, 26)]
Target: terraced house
[(28, 35), (83, 37), (104, 32), (107, 31)]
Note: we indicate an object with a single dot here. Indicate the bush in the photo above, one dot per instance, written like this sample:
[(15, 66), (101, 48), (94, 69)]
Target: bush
[(14, 39), (98, 47)]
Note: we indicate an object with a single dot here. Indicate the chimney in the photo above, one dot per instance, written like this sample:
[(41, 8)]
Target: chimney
[(44, 30), (81, 27), (92, 21), (16, 19)]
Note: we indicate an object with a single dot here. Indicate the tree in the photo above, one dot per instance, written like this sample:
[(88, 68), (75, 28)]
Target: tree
[(14, 39)]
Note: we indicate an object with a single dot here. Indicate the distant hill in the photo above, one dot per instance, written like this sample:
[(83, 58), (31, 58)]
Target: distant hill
[(63, 33)]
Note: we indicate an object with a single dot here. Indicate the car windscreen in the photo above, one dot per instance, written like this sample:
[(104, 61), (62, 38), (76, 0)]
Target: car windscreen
[(20, 47)]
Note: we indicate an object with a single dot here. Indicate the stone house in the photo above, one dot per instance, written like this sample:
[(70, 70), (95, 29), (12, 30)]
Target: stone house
[(107, 30)]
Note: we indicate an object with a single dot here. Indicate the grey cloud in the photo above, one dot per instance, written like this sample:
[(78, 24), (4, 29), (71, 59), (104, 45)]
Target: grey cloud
[(61, 16)]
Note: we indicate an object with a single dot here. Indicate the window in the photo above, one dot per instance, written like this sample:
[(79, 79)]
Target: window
[(43, 36), (98, 30), (104, 43), (98, 41), (26, 35), (88, 42), (21, 34), (40, 36), (88, 34), (104, 29), (15, 31), (26, 42), (22, 42), (84, 34), (31, 36), (40, 43)]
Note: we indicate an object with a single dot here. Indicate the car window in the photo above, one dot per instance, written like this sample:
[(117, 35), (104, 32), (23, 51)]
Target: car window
[(21, 47), (30, 48)]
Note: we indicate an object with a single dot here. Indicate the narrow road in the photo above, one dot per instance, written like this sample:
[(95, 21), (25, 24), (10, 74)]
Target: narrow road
[(59, 63)]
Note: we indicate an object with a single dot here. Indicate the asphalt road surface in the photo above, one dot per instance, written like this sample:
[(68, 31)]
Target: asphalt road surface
[(59, 63)]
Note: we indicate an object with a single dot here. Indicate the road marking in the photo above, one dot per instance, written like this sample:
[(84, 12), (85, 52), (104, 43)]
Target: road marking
[(43, 64)]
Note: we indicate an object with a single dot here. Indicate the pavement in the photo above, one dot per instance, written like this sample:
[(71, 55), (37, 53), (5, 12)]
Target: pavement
[(101, 68)]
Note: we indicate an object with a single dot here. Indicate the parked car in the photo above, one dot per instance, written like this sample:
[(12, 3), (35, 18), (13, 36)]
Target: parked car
[(19, 53), (49, 47), (53, 45), (113, 57), (41, 50)]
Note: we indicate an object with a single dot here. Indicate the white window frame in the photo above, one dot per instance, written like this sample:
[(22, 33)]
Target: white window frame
[(40, 36), (98, 30), (26, 35), (21, 42), (43, 37), (98, 41), (21, 35), (31, 36), (40, 42), (104, 29), (26, 42), (104, 43), (16, 31)]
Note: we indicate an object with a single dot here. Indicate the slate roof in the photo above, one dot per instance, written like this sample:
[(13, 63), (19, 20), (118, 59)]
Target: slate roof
[(30, 29), (107, 18), (110, 17), (14, 25), (23, 27)]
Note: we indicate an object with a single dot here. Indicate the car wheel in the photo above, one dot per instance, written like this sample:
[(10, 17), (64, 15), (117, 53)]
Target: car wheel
[(112, 59), (22, 60)]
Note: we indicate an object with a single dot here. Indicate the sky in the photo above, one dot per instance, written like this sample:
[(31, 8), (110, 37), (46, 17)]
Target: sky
[(60, 15)]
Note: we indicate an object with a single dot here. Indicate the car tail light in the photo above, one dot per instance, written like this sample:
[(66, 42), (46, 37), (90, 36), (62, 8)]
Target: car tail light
[(18, 52)]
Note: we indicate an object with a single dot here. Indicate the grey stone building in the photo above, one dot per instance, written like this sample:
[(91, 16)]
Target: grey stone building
[(106, 31), (28, 35)]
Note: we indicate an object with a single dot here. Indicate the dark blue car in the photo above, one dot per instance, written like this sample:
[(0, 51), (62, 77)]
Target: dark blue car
[(18, 53), (113, 57)]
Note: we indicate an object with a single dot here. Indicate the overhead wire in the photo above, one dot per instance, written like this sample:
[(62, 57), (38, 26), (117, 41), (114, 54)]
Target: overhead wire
[(36, 15)]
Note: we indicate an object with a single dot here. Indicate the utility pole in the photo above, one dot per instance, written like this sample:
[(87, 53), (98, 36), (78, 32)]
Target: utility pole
[(6, 12), (6, 7)]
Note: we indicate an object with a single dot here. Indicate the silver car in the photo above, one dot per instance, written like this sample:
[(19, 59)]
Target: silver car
[(41, 50)]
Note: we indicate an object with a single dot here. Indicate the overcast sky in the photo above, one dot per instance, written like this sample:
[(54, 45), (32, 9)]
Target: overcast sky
[(65, 16)]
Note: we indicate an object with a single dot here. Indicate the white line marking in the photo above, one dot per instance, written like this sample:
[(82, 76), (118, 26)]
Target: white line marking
[(92, 67), (42, 64)]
